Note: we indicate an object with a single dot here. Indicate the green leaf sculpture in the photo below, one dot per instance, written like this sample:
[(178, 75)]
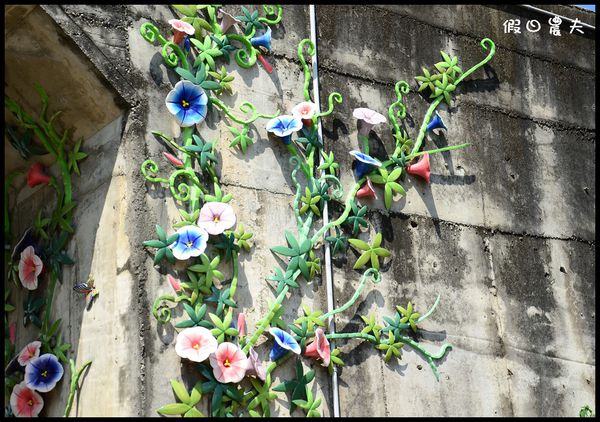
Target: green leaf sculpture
[(371, 252)]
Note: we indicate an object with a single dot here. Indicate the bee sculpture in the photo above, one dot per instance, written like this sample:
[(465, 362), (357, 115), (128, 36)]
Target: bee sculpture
[(88, 290)]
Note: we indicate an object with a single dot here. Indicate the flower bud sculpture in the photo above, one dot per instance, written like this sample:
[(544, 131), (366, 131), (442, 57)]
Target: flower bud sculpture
[(421, 168)]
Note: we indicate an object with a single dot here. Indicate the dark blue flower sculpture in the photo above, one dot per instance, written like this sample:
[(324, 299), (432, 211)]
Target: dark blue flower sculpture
[(284, 126), (364, 163), (263, 41), (284, 343), (187, 101), (436, 123), (42, 374)]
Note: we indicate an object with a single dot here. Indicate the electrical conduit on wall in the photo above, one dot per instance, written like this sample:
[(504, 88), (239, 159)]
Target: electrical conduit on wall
[(328, 268)]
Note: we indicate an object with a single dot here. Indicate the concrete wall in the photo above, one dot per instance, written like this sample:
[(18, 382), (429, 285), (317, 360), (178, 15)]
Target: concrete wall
[(505, 232)]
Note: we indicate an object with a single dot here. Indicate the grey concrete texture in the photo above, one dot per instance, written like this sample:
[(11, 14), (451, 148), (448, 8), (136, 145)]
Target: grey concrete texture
[(133, 355), (505, 232), (513, 166), (520, 79)]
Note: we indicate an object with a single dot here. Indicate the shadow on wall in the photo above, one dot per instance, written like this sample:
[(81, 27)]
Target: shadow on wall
[(37, 52)]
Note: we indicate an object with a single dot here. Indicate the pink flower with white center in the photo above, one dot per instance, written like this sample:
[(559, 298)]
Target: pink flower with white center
[(216, 217), (195, 344), (32, 350), (25, 402), (180, 29), (305, 111), (229, 363), (255, 365), (369, 118), (319, 348), (174, 283), (30, 266)]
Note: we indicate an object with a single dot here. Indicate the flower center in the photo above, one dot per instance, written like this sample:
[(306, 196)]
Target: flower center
[(30, 402), (216, 219), (226, 364), (190, 244), (185, 104), (196, 346), (45, 374)]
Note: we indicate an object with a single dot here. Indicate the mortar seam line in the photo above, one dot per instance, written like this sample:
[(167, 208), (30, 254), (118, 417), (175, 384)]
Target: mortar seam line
[(554, 124), (400, 214)]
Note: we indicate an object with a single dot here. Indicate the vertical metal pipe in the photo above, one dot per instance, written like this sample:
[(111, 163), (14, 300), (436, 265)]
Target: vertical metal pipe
[(327, 266)]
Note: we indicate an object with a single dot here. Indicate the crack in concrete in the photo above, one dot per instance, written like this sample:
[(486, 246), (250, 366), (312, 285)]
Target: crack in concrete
[(236, 185), (496, 308), (486, 230), (550, 356)]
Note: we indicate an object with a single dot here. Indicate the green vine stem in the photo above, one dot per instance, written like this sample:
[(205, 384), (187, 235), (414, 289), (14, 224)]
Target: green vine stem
[(7, 184), (75, 375), (365, 336), (244, 58), (294, 160), (234, 277), (150, 166), (169, 140), (295, 154), (485, 44), (274, 365), (337, 192), (376, 277), (270, 10), (334, 96), (344, 216), (164, 314), (189, 167), (175, 56), (47, 135), (266, 321), (307, 77), (400, 88), (246, 107), (428, 356), (150, 33)]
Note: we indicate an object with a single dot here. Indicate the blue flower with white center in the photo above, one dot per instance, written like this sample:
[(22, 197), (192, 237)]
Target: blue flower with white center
[(364, 163), (284, 126), (263, 41), (187, 101), (191, 242), (284, 343), (42, 373)]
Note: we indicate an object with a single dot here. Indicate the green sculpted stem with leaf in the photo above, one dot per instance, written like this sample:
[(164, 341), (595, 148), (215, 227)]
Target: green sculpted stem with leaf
[(206, 239)]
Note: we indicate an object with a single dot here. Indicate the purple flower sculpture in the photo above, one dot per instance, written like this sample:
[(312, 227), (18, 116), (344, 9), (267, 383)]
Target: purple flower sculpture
[(284, 343), (364, 163), (187, 102), (42, 374), (284, 126)]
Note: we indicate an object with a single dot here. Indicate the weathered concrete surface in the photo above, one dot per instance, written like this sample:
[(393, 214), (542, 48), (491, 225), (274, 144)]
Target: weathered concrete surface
[(36, 51), (505, 232), (133, 356)]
